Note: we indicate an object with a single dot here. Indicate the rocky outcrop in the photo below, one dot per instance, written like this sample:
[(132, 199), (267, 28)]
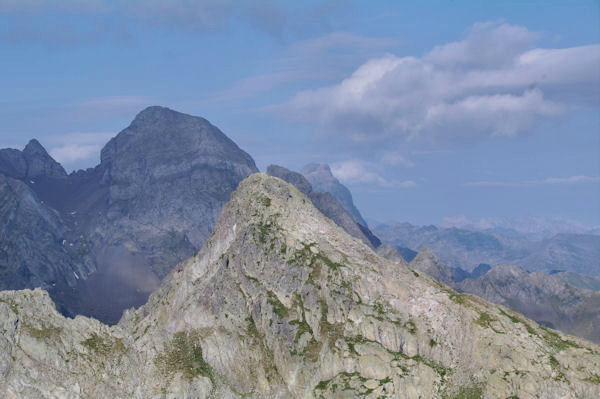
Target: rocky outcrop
[(323, 181), (36, 247), (151, 202), (281, 302), (427, 262), (544, 298), (31, 163), (390, 253), (326, 203)]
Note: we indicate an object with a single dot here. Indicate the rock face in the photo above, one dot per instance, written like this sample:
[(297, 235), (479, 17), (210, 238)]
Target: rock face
[(280, 303), (323, 181), (427, 262), (326, 203), (36, 247), (545, 298), (151, 202)]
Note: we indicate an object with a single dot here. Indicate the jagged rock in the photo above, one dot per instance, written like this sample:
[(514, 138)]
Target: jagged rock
[(151, 202), (36, 248), (31, 163), (279, 303), (325, 202), (427, 262), (322, 180), (390, 253)]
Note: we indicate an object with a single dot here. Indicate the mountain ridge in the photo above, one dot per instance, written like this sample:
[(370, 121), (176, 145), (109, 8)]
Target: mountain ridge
[(313, 311)]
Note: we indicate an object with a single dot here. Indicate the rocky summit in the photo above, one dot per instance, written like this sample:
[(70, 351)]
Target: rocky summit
[(100, 240), (282, 303)]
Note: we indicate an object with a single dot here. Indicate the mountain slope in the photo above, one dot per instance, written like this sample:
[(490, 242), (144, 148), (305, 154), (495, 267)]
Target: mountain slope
[(322, 180), (36, 248), (545, 298), (273, 307), (150, 203), (324, 202)]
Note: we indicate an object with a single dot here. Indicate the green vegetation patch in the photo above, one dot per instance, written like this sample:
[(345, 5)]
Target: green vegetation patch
[(44, 333), (184, 354), (103, 346), (594, 379), (470, 392), (278, 308), (555, 341)]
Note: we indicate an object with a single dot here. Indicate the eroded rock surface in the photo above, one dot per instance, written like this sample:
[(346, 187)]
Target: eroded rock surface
[(280, 303)]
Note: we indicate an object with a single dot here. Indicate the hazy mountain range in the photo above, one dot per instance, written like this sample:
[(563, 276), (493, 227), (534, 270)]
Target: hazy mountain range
[(466, 249), (282, 302)]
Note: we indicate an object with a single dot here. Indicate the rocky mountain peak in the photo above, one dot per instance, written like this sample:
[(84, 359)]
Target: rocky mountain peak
[(428, 262), (327, 204), (272, 307), (31, 163), (321, 178)]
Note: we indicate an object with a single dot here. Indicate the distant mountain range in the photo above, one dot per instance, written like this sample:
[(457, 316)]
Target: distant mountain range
[(466, 249)]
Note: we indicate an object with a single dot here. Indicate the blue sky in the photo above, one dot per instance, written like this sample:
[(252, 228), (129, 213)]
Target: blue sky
[(453, 112)]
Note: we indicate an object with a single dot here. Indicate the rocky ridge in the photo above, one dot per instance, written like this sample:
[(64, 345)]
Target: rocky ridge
[(545, 298), (281, 302), (326, 203)]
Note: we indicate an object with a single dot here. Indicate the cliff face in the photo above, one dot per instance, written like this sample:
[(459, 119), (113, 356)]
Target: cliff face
[(281, 302), (151, 202)]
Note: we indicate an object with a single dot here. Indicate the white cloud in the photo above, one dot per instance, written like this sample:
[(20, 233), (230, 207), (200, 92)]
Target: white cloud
[(549, 180), (361, 172), (491, 83), (77, 149), (395, 159)]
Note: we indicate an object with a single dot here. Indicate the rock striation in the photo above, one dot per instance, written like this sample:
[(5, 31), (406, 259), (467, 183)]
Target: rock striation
[(279, 303)]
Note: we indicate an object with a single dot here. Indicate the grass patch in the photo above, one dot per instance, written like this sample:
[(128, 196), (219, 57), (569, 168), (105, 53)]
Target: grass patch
[(184, 354), (471, 392), (103, 346), (44, 333), (594, 379), (278, 308)]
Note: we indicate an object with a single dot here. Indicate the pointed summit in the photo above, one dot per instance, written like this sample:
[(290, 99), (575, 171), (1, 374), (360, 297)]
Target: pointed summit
[(426, 261), (321, 178)]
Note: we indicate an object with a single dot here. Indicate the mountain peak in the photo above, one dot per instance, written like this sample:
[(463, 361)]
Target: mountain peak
[(322, 180), (280, 302)]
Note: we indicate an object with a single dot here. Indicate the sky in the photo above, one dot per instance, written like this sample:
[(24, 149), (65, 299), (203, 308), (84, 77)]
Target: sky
[(460, 113)]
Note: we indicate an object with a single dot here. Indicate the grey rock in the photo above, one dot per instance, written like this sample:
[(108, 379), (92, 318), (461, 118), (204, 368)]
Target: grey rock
[(322, 180), (151, 202), (274, 308), (326, 203)]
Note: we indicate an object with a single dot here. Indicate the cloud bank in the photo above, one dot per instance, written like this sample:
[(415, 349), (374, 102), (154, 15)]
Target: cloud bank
[(492, 83)]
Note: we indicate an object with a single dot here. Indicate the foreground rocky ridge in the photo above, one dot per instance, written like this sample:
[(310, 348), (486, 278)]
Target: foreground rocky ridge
[(281, 302)]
